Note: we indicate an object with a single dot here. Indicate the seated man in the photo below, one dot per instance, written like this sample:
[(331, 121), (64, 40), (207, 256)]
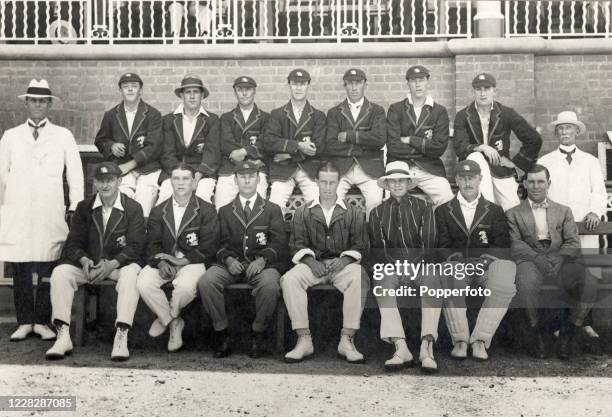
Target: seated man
[(106, 241), (182, 240), (404, 228), (190, 136), (253, 250), (482, 133), (328, 239), (546, 246), (477, 230), (130, 135)]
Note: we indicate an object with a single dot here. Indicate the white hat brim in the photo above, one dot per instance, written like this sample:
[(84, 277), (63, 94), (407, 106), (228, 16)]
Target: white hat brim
[(396, 176), (24, 96), (581, 126)]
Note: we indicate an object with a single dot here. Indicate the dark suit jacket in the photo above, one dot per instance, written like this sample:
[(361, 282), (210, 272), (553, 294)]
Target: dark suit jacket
[(237, 133), (365, 137), (198, 235), (503, 121), (122, 240), (203, 152), (143, 144), (428, 136), (263, 234), (282, 134), (488, 233), (564, 239)]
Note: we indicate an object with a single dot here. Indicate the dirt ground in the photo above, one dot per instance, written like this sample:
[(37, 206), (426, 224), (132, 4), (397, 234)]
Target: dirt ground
[(193, 383)]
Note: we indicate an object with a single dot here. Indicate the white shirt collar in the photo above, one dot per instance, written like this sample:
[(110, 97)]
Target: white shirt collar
[(176, 204), (317, 202), (570, 148), (465, 203), (531, 203), (117, 204), (356, 105), (180, 110), (244, 200), (43, 121), (429, 101)]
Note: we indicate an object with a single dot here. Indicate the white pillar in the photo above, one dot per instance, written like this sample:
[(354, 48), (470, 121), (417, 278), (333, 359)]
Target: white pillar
[(489, 19)]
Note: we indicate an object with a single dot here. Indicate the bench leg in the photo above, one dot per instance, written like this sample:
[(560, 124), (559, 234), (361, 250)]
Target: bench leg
[(281, 314), (80, 301)]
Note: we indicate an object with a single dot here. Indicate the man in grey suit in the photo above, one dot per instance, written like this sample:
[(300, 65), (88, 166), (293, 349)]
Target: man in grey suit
[(546, 247)]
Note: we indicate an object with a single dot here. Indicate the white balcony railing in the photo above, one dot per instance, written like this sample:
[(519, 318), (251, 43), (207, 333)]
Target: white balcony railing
[(213, 21), (555, 19)]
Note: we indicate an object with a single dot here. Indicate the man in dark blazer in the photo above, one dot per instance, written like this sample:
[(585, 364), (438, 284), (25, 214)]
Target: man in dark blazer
[(482, 133), (191, 136), (106, 241), (474, 232), (130, 136), (241, 140), (417, 133), (294, 139), (546, 247), (356, 133), (182, 241), (253, 249)]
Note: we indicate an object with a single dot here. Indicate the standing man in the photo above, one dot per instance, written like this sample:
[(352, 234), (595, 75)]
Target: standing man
[(478, 229), (241, 140), (328, 240), (482, 134), (191, 136), (33, 228), (106, 241), (417, 133), (182, 241), (130, 136), (546, 246), (356, 133), (294, 137), (252, 250), (403, 228)]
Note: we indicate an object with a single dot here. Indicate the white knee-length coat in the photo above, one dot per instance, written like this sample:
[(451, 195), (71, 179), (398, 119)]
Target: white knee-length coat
[(32, 225)]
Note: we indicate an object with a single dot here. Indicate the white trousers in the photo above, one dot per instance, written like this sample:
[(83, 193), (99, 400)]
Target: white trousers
[(200, 11), (352, 282), (437, 188), (282, 190), (370, 190), (499, 278), (142, 188), (501, 191), (66, 279), (227, 190), (204, 190), (185, 285), (391, 326)]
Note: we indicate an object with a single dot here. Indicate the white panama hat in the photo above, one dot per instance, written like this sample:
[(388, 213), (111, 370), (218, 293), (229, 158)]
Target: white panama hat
[(38, 89), (569, 117)]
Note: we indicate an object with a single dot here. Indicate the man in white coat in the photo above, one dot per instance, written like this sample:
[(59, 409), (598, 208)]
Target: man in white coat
[(33, 228), (577, 181)]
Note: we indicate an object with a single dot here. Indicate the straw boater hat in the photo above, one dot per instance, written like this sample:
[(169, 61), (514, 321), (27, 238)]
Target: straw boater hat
[(569, 117), (396, 170), (38, 89)]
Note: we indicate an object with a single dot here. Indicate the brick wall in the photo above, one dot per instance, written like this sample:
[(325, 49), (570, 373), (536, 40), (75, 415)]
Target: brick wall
[(537, 86)]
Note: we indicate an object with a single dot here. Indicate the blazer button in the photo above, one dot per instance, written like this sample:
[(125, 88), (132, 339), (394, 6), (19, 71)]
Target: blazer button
[(246, 237), (327, 236), (246, 248)]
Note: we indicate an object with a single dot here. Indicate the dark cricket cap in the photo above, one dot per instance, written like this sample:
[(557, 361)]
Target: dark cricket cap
[(298, 75), (248, 166), (244, 81), (417, 71), (467, 167), (130, 77), (484, 80), (354, 74), (107, 169)]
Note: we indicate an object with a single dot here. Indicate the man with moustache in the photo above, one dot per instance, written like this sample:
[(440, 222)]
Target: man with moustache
[(356, 133), (253, 249), (417, 133), (482, 134), (241, 140), (106, 241), (294, 139), (130, 136), (191, 136), (477, 230), (183, 232), (546, 247)]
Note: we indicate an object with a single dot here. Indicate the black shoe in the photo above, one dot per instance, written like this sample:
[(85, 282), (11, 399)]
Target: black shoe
[(567, 334), (222, 347), (537, 347), (258, 346)]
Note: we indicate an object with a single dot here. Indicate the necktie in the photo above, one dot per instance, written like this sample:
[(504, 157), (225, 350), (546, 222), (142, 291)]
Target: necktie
[(247, 210), (36, 127), (543, 204), (568, 155)]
